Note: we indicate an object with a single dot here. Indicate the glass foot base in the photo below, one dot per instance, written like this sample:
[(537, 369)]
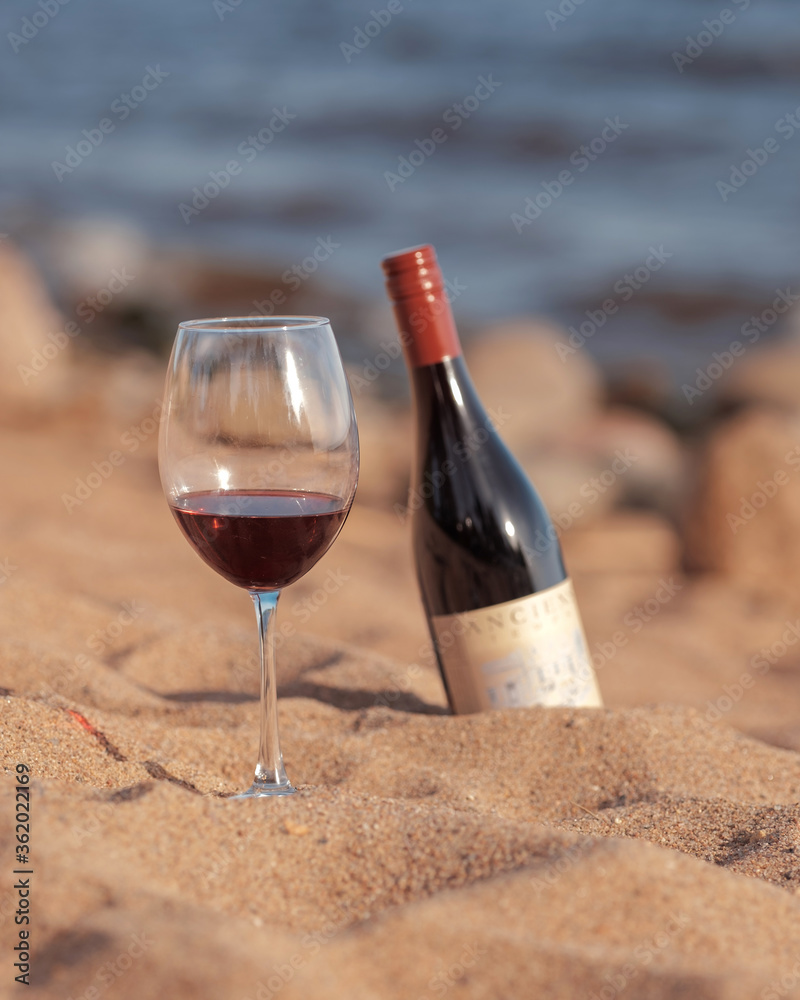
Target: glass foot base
[(262, 790)]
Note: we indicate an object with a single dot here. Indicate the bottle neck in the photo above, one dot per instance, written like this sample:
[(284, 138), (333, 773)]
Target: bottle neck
[(446, 408), (426, 328), (446, 385)]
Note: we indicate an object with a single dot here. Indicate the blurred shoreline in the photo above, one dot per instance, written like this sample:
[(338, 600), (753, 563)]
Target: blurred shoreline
[(280, 141), (138, 303)]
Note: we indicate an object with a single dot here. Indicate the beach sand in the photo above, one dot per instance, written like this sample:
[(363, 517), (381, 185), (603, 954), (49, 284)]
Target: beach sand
[(649, 849)]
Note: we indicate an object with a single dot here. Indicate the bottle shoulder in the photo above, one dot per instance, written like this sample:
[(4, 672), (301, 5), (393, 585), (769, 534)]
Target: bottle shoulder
[(462, 461), (481, 532)]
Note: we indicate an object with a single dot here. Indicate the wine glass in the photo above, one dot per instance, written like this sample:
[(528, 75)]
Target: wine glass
[(258, 457)]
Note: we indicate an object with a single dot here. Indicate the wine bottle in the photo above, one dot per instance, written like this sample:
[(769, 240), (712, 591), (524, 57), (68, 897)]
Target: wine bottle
[(500, 607)]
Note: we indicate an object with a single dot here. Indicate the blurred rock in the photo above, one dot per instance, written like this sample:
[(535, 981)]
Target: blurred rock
[(195, 286), (83, 253), (768, 375), (582, 459), (571, 486), (643, 384), (626, 542), (34, 349), (744, 519), (542, 406), (132, 388), (124, 290), (543, 400), (653, 460)]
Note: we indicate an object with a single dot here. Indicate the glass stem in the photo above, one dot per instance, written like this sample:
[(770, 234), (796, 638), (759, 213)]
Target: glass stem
[(270, 776)]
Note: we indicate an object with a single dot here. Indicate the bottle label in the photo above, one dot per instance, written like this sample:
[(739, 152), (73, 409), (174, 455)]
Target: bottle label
[(527, 652)]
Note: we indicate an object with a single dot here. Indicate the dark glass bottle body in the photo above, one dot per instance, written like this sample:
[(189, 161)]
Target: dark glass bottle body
[(481, 534)]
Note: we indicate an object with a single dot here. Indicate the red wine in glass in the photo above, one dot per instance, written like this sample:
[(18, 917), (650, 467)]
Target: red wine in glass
[(260, 539)]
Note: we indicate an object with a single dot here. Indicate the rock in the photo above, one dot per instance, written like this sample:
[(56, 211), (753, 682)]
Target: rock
[(744, 519), (645, 384), (582, 460), (209, 286), (131, 392), (85, 254), (542, 406), (540, 399), (34, 349), (630, 542), (641, 458), (768, 375), (570, 488)]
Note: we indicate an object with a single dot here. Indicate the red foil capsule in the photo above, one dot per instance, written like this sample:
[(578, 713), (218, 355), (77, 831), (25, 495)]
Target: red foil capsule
[(424, 318)]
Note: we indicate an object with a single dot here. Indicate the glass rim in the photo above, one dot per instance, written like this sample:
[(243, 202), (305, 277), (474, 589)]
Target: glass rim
[(252, 324)]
